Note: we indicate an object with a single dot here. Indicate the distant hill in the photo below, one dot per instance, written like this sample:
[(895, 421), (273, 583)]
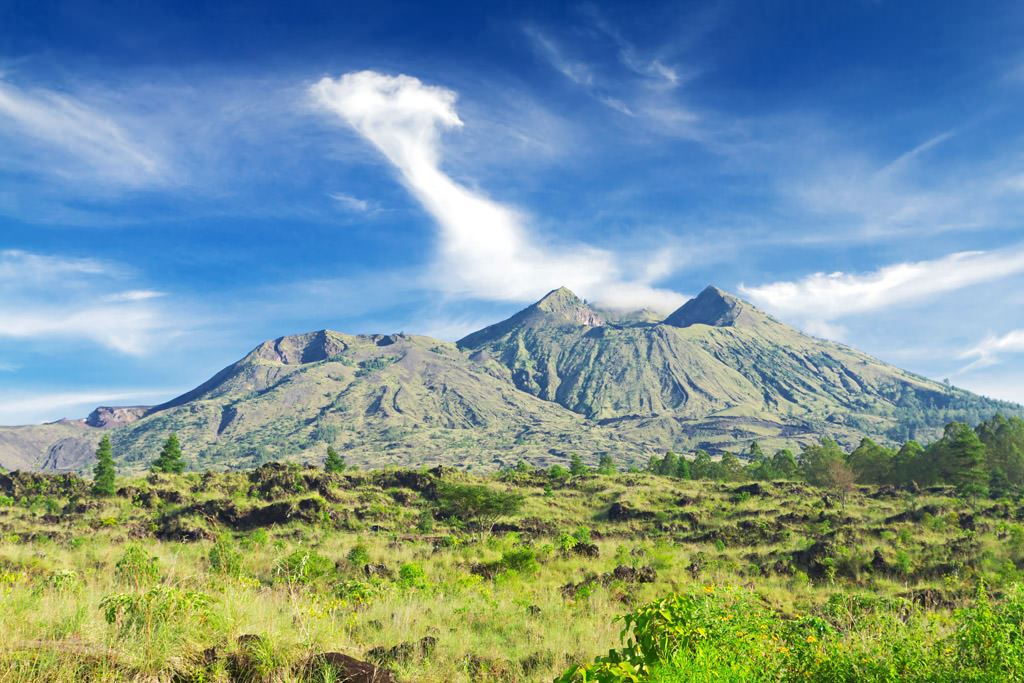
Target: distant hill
[(558, 377)]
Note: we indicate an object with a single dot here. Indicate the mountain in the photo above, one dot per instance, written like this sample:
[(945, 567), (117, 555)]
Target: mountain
[(558, 377)]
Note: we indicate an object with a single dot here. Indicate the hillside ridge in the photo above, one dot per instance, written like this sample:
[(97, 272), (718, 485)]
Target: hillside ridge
[(555, 378)]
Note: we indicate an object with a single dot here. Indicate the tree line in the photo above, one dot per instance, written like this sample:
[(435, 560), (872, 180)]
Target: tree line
[(984, 460)]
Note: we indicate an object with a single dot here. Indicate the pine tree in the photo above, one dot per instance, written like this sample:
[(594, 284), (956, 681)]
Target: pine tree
[(334, 462), (960, 456), (784, 464), (170, 460), (683, 468), (606, 465), (703, 467), (104, 473), (576, 466)]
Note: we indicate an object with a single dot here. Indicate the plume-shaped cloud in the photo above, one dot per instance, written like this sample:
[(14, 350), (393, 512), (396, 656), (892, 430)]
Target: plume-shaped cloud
[(485, 248)]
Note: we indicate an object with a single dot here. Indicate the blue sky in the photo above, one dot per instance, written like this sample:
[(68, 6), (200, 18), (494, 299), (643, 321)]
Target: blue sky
[(178, 183)]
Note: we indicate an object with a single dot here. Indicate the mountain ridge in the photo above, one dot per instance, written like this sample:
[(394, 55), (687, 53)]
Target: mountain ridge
[(557, 377)]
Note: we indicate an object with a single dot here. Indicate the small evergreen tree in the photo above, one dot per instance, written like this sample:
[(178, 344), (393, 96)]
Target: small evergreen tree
[(334, 462), (606, 465), (104, 473), (730, 468), (170, 460), (784, 464), (816, 461), (703, 467), (683, 469), (669, 465), (576, 466), (871, 463), (960, 458)]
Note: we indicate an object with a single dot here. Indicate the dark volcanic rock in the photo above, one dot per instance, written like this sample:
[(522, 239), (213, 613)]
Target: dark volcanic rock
[(621, 512), (346, 669), (403, 653), (19, 484)]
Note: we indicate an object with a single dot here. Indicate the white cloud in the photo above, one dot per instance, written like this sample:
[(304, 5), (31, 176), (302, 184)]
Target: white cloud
[(989, 350), (351, 203), (485, 250), (87, 137), (824, 297), (577, 72), (134, 295), (52, 296), (33, 408)]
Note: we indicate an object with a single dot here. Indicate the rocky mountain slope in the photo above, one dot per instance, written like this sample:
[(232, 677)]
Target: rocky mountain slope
[(556, 378)]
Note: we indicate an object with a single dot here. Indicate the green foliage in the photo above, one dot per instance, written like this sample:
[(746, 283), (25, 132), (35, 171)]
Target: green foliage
[(606, 464), (136, 567), (818, 460), (558, 473), (411, 575), (959, 458), (871, 463), (715, 634), (358, 555), (133, 613), (576, 466), (170, 460), (476, 503), (425, 522), (225, 557), (334, 461), (304, 566), (103, 473), (521, 560)]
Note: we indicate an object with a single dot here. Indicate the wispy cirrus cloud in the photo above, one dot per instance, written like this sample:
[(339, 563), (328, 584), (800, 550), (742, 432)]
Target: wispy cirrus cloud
[(352, 203), (990, 350), (64, 136), (642, 90), (820, 299), (33, 407), (485, 249), (43, 295)]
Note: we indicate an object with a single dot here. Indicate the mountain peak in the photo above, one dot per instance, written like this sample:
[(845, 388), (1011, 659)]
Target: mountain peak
[(712, 307), (560, 305)]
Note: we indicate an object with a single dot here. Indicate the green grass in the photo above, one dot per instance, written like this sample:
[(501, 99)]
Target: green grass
[(81, 597)]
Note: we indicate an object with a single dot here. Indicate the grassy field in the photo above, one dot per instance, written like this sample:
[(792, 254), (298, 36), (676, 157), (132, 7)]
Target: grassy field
[(253, 576)]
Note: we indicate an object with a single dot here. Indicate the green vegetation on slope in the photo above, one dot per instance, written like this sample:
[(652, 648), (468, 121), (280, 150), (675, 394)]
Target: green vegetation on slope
[(553, 379), (280, 573)]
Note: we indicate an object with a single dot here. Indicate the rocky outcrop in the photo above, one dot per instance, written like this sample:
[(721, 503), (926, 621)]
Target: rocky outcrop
[(111, 417)]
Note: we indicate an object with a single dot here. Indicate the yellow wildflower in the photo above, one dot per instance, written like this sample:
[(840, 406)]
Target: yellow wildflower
[(811, 639)]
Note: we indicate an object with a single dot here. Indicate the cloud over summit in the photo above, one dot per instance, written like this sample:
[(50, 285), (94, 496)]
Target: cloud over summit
[(485, 249)]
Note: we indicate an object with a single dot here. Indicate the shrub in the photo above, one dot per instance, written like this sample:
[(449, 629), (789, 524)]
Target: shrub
[(62, 581), (425, 522), (303, 567), (411, 575), (136, 567), (224, 557), (150, 611), (358, 555), (519, 560)]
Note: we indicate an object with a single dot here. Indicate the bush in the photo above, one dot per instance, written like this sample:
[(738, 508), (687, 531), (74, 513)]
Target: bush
[(136, 567), (303, 567), (358, 555), (411, 575), (714, 634), (519, 560), (134, 613), (224, 557)]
